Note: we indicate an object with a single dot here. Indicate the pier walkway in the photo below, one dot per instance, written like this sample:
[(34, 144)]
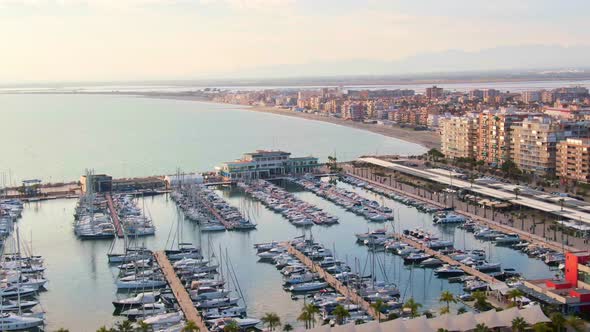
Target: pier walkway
[(332, 281), (182, 297), (486, 222), (468, 269), (114, 215)]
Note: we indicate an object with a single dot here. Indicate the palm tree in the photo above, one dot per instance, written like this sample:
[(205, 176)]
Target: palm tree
[(304, 317), (576, 323), (442, 330), (190, 326), (447, 297), (461, 310), (104, 329), (340, 313), (519, 324), (272, 320), (481, 328), (513, 295), (62, 330), (413, 306), (124, 326), (558, 321), (516, 192), (378, 306), (287, 327), (143, 326), (480, 301), (541, 327), (232, 326), (312, 310)]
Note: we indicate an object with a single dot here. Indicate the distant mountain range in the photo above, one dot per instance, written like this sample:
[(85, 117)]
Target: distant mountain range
[(515, 58)]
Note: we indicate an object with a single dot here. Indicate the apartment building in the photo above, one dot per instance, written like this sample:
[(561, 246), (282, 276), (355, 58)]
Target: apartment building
[(459, 136), (434, 92), (494, 134), (534, 143), (573, 159)]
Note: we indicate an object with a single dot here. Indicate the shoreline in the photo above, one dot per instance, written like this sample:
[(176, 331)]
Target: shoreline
[(426, 139)]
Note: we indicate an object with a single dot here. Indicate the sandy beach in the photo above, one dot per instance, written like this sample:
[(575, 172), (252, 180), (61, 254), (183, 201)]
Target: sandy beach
[(428, 139)]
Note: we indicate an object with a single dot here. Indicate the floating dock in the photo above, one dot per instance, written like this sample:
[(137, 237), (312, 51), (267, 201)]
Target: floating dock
[(182, 297), (489, 223), (332, 281), (114, 216)]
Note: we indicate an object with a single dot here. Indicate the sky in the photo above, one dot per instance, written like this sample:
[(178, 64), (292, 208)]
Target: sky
[(94, 40)]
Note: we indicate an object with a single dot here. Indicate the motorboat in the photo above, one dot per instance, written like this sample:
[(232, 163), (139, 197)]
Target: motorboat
[(446, 271), (431, 262), (148, 309), (299, 278), (208, 293), (507, 239), (14, 322), (451, 219), (308, 286), (414, 258), (216, 303), (216, 313), (13, 291), (12, 305), (164, 320), (243, 323), (185, 250), (141, 283), (211, 227), (137, 300)]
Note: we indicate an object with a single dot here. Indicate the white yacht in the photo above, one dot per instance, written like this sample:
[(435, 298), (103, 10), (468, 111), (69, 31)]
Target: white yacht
[(137, 300), (13, 322)]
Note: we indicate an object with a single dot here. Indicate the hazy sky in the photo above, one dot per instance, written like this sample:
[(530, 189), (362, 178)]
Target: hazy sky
[(48, 40)]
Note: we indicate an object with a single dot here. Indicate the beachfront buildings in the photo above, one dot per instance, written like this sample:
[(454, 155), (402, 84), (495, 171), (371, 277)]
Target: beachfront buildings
[(459, 136), (534, 142), (573, 159), (267, 164), (494, 134)]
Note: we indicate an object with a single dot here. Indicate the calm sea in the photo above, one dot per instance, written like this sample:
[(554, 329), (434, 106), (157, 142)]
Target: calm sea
[(56, 137)]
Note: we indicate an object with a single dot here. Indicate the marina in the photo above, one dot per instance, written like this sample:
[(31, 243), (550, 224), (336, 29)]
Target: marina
[(299, 213), (163, 210)]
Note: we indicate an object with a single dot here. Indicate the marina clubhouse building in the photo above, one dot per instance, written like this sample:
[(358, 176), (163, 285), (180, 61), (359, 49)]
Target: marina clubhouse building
[(267, 164)]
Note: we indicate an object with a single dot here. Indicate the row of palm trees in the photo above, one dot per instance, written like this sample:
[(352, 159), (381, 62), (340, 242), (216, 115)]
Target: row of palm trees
[(272, 321)]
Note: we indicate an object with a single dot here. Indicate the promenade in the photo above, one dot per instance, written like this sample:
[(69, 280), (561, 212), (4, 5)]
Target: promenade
[(182, 297)]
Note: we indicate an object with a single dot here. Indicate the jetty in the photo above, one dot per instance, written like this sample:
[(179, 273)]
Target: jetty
[(468, 269), (228, 225), (333, 282), (182, 297), (114, 216), (489, 223)]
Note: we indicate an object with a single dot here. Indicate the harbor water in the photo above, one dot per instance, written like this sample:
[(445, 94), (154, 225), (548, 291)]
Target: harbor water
[(82, 286)]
